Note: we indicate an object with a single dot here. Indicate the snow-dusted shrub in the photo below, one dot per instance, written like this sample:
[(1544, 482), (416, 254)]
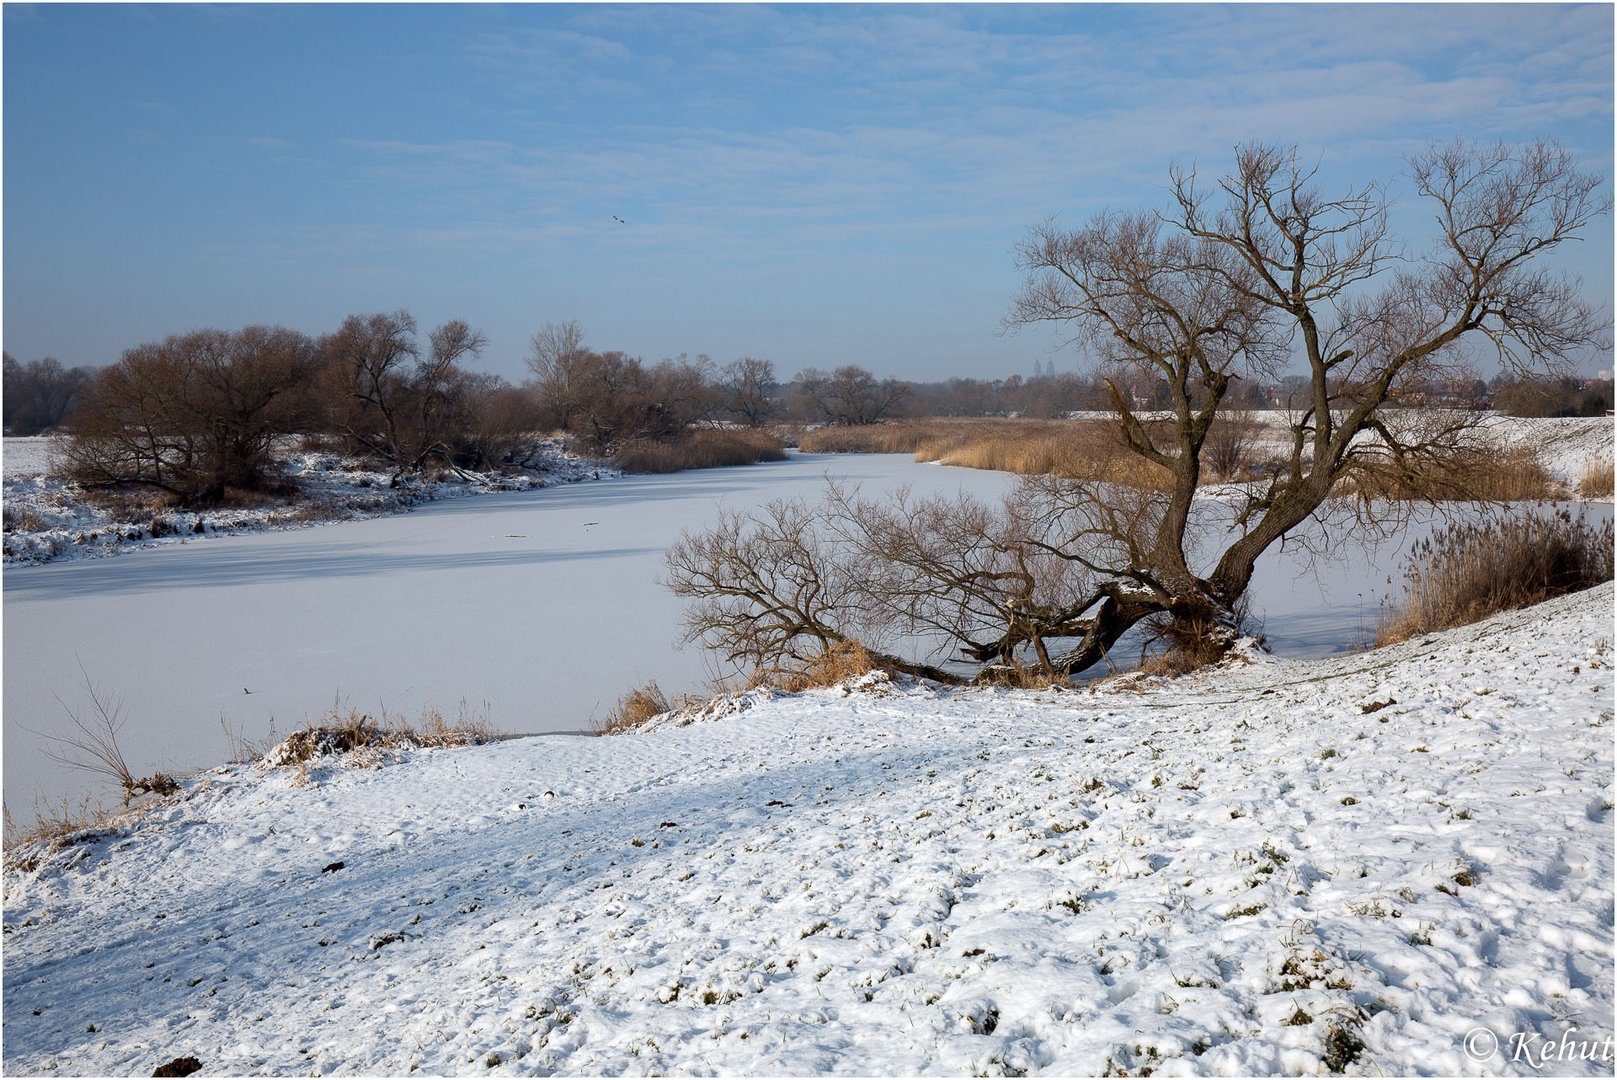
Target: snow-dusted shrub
[(365, 740)]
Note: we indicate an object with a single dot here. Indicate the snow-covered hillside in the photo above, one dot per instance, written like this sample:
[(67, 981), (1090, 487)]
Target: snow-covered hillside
[(1391, 862)]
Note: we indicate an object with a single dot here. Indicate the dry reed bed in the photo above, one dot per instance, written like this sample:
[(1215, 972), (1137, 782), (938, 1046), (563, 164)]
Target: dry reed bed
[(1596, 482), (1092, 449), (706, 448), (1512, 474), (1072, 449), (1471, 570)]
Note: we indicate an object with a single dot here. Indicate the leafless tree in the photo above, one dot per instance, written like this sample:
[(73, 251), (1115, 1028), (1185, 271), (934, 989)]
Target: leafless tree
[(40, 394), (193, 415), (1232, 280), (748, 386), (958, 574), (769, 589), (491, 424), (1175, 309), (1231, 445), (777, 588), (609, 399), (851, 395), (384, 397), (558, 359)]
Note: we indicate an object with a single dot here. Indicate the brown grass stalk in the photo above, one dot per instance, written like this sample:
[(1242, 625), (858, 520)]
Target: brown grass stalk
[(1596, 481)]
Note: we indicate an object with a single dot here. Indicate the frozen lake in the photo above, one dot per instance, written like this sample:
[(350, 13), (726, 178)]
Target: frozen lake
[(541, 608)]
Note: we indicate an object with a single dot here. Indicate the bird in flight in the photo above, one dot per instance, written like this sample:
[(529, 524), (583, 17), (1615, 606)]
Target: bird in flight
[(619, 220)]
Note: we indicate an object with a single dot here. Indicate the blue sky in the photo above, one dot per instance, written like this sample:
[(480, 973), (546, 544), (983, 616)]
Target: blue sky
[(815, 185)]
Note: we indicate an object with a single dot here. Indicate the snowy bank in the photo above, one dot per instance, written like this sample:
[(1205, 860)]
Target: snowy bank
[(1380, 863), (48, 518)]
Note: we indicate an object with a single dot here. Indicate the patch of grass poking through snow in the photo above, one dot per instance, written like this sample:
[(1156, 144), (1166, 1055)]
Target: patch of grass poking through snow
[(1342, 1047), (64, 825), (359, 740)]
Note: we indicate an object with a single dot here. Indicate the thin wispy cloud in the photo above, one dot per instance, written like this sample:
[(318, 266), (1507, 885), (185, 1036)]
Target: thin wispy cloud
[(743, 145)]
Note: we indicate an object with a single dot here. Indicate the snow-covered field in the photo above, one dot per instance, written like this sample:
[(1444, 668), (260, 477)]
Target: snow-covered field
[(27, 456), (1389, 863)]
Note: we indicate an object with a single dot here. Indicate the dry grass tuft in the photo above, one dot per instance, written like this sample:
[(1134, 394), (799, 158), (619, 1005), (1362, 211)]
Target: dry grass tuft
[(1469, 571), (1191, 646), (62, 825), (368, 742), (842, 661), (1017, 676), (309, 512), (336, 735), (634, 709), (1596, 482), (705, 448), (21, 520)]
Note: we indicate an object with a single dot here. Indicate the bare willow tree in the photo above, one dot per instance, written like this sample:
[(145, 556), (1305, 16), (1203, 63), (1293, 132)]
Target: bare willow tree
[(40, 394), (909, 577), (558, 358), (1237, 279), (748, 386), (850, 395), (388, 399), (195, 415)]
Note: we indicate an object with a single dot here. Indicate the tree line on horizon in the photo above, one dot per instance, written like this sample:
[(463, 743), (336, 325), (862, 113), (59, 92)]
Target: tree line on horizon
[(40, 396), (197, 415)]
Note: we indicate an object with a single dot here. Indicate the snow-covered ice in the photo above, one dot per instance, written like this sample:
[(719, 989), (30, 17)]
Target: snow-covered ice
[(541, 608), (1369, 862), (48, 519)]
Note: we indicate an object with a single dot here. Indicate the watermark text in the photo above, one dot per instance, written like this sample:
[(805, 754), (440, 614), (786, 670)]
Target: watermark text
[(1533, 1050)]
